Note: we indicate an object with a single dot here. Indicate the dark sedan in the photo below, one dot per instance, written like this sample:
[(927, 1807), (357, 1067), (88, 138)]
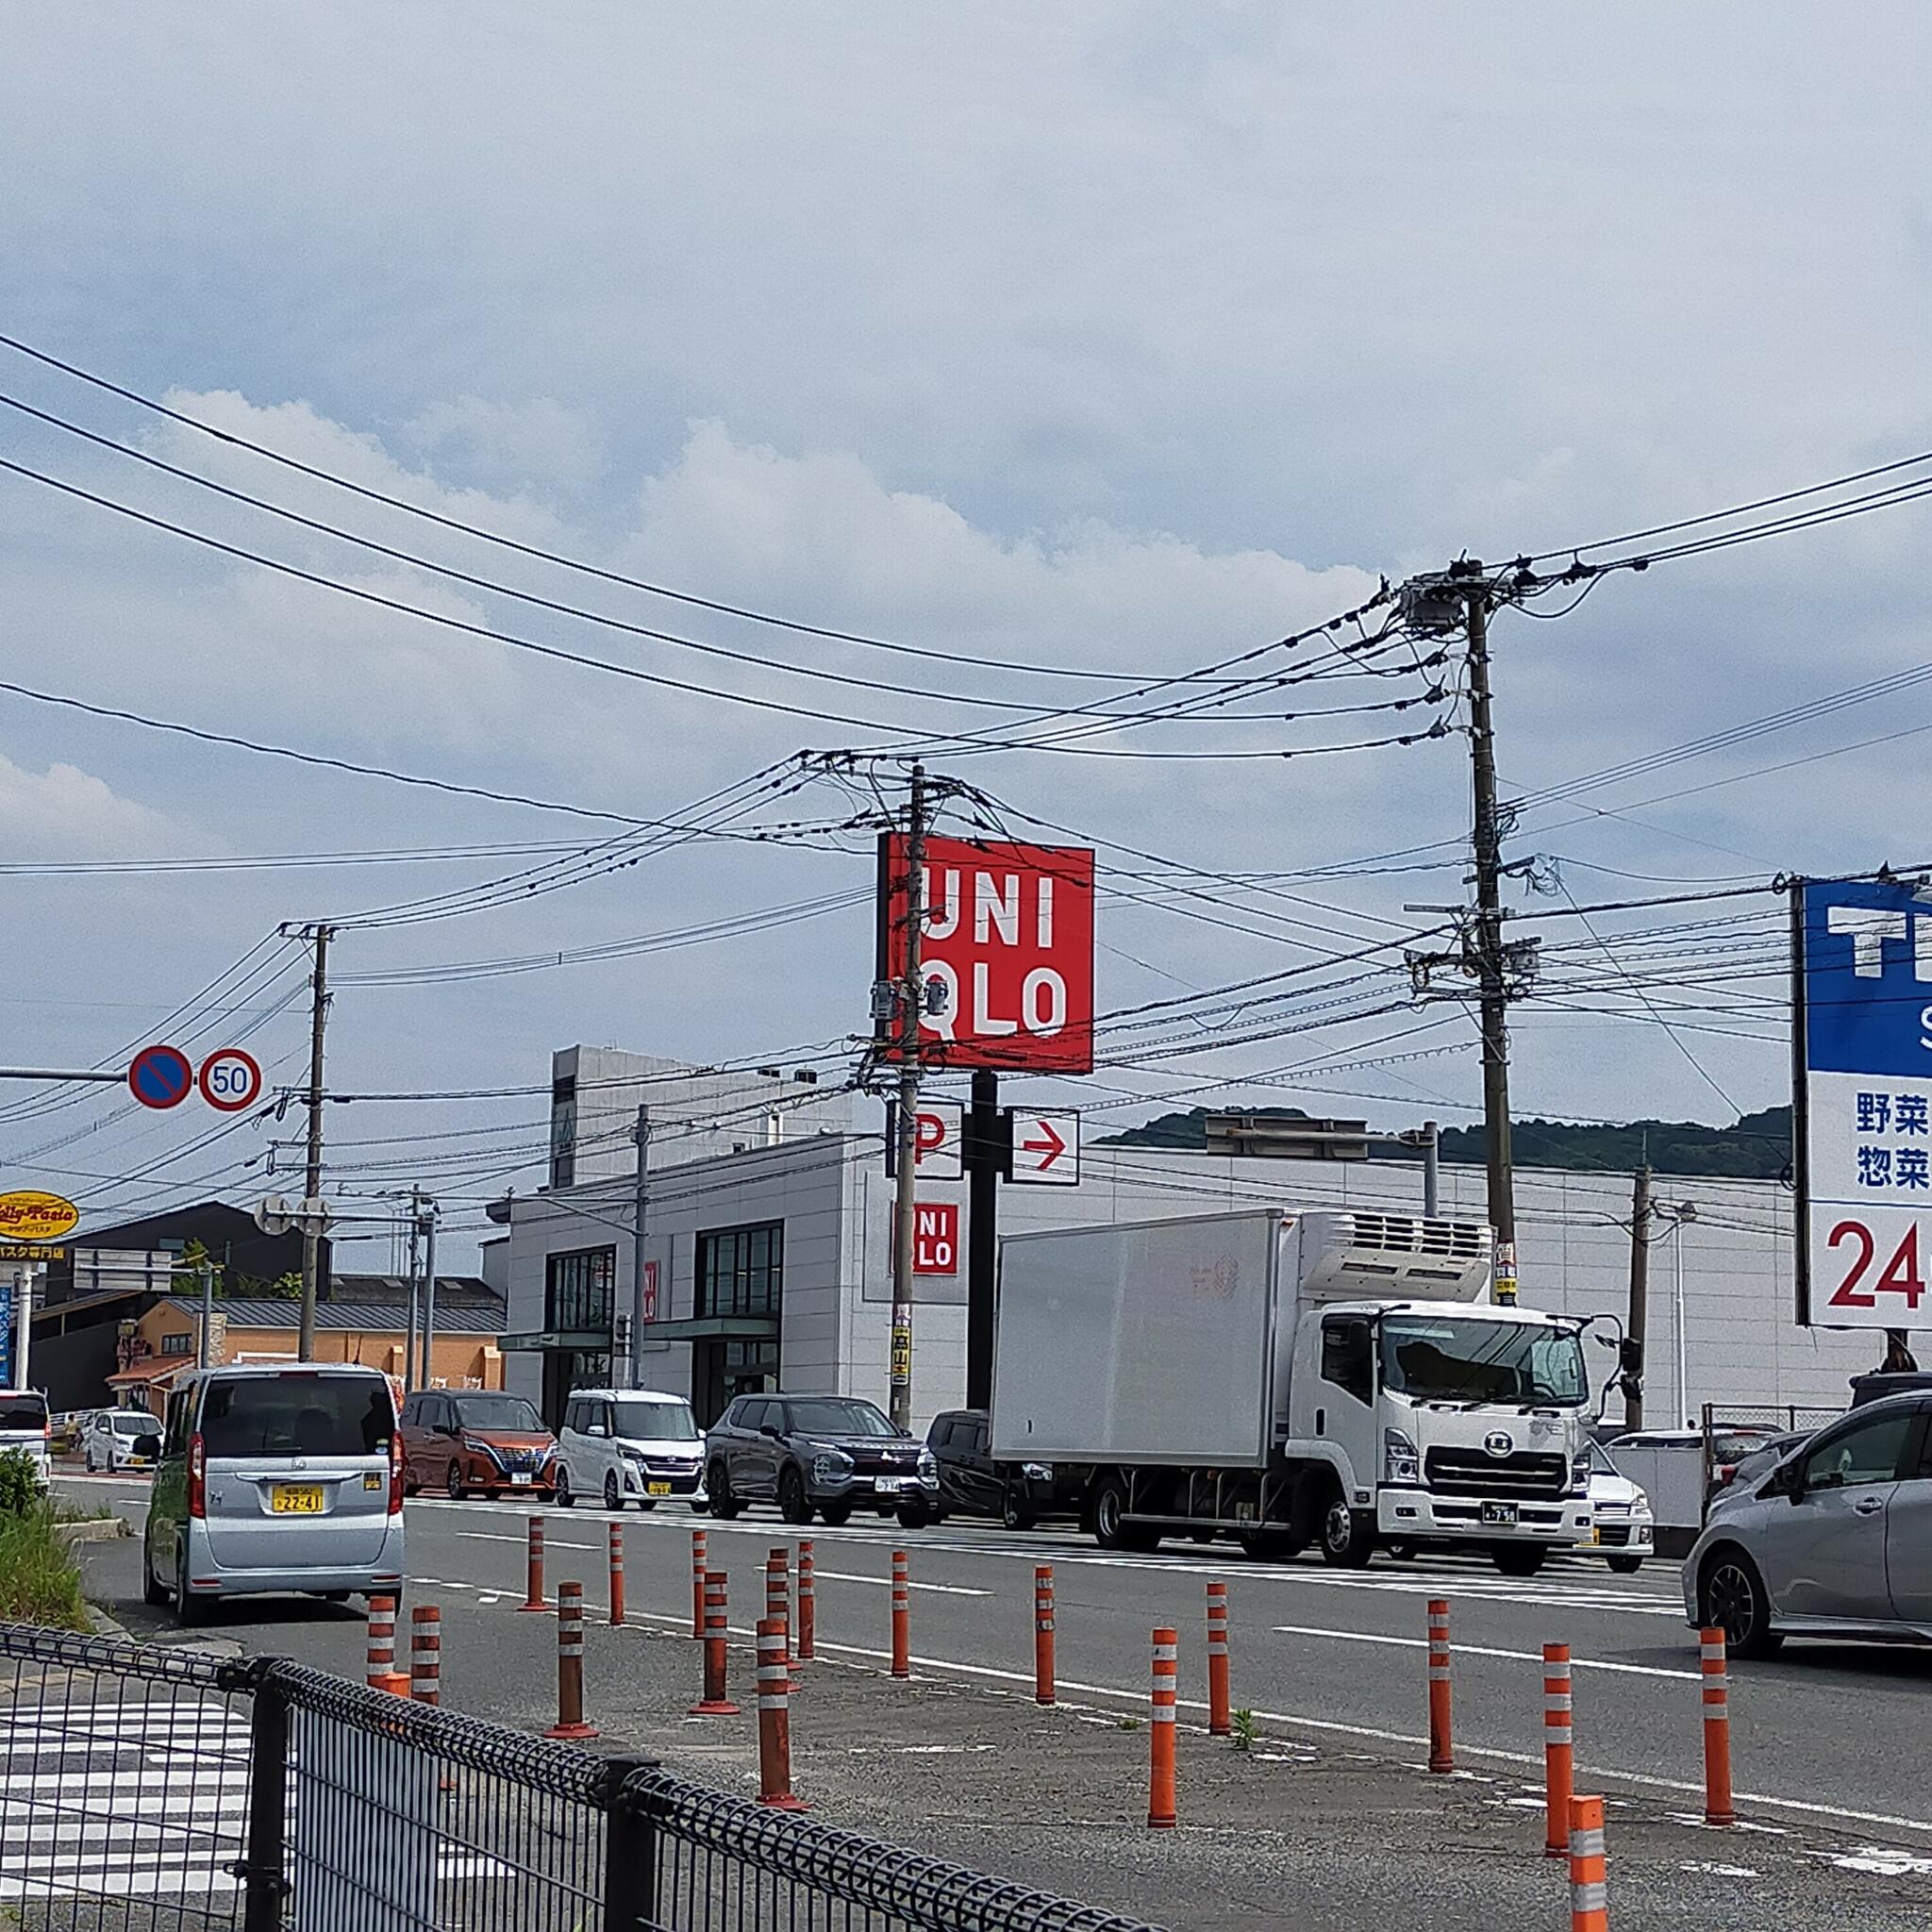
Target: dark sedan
[(816, 1454)]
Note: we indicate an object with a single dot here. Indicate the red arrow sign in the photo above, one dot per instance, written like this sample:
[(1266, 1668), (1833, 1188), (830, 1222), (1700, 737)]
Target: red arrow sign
[(1050, 1145)]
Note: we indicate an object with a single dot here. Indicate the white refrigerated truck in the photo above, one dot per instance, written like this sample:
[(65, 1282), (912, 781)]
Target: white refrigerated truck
[(1288, 1377)]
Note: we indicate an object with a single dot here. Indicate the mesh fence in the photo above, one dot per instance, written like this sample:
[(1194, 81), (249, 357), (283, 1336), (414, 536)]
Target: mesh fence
[(154, 1790)]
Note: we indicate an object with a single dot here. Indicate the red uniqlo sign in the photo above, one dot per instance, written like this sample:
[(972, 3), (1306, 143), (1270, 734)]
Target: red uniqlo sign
[(936, 1237), (1010, 933), (648, 1294)]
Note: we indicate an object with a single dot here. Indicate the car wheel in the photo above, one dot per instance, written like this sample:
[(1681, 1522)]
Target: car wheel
[(837, 1515), (1348, 1536), (613, 1500), (90, 1459), (795, 1506), (724, 1505), (153, 1591), (1733, 1598), (561, 1494), (1518, 1559), (454, 1481), (190, 1612), (913, 1516), (1626, 1566), (1013, 1510)]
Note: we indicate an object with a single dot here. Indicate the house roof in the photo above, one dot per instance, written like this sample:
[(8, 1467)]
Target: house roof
[(334, 1317)]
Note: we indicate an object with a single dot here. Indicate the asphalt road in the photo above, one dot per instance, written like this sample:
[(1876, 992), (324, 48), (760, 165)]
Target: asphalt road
[(1825, 1737)]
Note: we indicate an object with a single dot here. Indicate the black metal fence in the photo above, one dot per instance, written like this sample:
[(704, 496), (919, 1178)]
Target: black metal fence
[(158, 1790)]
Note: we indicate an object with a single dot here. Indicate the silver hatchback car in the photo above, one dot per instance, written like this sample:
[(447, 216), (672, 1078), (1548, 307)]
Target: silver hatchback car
[(275, 1479), (1836, 1541)]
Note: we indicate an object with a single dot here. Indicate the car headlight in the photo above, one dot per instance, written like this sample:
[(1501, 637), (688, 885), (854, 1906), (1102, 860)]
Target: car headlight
[(1400, 1463), (830, 1465), (1036, 1471), (928, 1463), (629, 1455)]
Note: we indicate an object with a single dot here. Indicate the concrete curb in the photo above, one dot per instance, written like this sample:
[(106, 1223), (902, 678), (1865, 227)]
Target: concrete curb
[(93, 1529)]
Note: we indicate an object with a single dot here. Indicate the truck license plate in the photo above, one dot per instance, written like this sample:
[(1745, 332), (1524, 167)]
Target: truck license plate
[(1499, 1512), (295, 1499)]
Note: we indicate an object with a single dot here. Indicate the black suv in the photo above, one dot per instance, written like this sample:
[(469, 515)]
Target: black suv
[(973, 1483), (816, 1454)]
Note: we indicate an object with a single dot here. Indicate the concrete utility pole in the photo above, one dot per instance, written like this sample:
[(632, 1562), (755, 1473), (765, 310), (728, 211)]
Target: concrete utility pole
[(640, 1201), (415, 1289), (1432, 1170), (1640, 1285), (311, 1180), (982, 1233), (23, 1282), (427, 1223), (911, 1002), (1488, 942), (204, 1354)]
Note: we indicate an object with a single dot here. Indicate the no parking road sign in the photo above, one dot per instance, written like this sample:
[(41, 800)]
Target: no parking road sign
[(161, 1077)]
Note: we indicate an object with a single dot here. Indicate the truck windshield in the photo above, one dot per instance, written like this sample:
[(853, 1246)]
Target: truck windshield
[(1439, 1358)]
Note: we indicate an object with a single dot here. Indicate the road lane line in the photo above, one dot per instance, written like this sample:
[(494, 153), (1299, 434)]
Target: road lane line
[(885, 1582), (1525, 1657)]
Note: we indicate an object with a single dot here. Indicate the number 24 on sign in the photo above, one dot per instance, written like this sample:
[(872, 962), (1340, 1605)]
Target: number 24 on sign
[(1901, 1274)]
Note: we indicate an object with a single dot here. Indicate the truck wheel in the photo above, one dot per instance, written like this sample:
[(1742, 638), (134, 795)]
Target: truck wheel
[(1109, 1507), (1518, 1559), (1348, 1536), (1626, 1566), (1272, 1545), (1013, 1510)]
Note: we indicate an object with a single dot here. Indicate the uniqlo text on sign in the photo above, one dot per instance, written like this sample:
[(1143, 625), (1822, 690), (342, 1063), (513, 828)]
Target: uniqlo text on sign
[(1863, 1009), (936, 1237), (1010, 934)]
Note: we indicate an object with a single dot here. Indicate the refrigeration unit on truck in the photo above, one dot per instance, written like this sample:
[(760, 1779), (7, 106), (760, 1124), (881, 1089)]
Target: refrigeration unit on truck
[(1290, 1377)]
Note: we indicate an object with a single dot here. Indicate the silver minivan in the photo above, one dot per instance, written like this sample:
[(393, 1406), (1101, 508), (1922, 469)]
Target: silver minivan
[(620, 1445), (275, 1479)]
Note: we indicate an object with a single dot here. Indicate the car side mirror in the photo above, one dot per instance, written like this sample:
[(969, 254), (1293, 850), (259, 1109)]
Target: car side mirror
[(596, 1429), (771, 1429)]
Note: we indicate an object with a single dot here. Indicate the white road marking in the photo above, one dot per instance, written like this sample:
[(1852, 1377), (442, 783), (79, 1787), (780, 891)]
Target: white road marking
[(883, 1582), (1459, 1649)]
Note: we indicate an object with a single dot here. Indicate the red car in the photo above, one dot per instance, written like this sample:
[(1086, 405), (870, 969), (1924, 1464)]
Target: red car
[(476, 1443)]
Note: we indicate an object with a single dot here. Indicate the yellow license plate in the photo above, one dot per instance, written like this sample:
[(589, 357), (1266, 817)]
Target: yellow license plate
[(295, 1499), (657, 1489), (1596, 1537)]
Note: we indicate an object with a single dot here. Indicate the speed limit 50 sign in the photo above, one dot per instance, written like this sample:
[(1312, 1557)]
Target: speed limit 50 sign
[(230, 1079)]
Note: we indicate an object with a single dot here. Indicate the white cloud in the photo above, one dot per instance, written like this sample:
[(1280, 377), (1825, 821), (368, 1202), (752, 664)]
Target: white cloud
[(66, 813)]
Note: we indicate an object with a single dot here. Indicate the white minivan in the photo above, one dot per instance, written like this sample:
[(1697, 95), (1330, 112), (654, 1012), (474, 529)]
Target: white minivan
[(621, 1445), (24, 1426)]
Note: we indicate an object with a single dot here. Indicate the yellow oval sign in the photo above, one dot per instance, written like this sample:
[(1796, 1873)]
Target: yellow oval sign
[(28, 1215)]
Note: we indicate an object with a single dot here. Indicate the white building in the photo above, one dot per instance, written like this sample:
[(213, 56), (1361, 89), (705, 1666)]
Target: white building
[(769, 1240)]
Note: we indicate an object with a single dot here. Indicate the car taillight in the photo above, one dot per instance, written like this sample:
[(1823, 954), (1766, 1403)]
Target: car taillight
[(395, 1475), (197, 1477), (1728, 1474)]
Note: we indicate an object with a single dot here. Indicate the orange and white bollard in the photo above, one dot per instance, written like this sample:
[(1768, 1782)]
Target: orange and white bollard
[(1042, 1633), (1718, 1809), (698, 1585), (1441, 1754), (902, 1616), (616, 1574), (533, 1592), (1559, 1759), (425, 1654), (1161, 1815), (806, 1649), (1219, 1720), (1589, 1910), (382, 1671), (569, 1665), (774, 1720), (715, 1703), (778, 1593)]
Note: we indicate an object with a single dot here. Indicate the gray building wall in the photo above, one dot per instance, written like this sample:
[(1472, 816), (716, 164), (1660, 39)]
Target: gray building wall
[(1742, 1346)]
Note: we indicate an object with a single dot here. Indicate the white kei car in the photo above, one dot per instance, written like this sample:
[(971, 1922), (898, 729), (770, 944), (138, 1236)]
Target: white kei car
[(629, 1445), (1622, 1528), (110, 1439)]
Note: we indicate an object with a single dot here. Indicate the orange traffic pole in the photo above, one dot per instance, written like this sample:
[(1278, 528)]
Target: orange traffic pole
[(569, 1665), (425, 1654), (714, 1701), (1042, 1633), (616, 1574), (1588, 1893), (902, 1616), (1442, 1755), (1559, 1760), (778, 1593), (1161, 1815), (698, 1585), (805, 1648), (1219, 1721), (774, 1720), (1717, 1729), (381, 1641), (533, 1593)]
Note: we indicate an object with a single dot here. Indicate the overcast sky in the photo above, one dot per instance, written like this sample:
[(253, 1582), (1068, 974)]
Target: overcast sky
[(1120, 336)]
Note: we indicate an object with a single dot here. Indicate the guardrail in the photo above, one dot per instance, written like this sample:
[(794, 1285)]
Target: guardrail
[(175, 1792)]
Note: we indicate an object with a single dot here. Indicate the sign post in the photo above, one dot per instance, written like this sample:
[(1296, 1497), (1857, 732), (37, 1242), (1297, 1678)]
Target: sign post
[(1862, 1117)]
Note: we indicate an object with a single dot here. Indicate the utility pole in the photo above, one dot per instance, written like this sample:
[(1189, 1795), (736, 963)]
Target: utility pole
[(428, 1226), (415, 1289), (1489, 938), (203, 1350), (1639, 1286), (311, 1183), (1432, 1170), (641, 1200), (983, 1159), (911, 1002)]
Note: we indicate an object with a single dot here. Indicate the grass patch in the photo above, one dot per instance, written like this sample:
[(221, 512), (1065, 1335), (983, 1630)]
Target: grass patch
[(40, 1581)]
